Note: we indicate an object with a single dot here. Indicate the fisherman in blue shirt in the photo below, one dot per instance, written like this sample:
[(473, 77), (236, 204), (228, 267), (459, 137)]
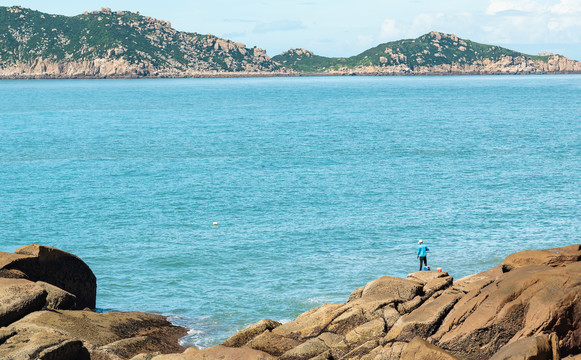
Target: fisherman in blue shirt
[(422, 254)]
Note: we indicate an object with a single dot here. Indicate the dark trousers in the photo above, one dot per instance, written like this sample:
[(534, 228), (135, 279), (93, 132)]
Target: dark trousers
[(423, 259)]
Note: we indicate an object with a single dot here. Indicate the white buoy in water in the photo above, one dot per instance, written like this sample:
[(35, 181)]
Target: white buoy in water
[(215, 223)]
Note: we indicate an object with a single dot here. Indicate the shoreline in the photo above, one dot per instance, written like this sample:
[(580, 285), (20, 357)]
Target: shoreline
[(234, 75)]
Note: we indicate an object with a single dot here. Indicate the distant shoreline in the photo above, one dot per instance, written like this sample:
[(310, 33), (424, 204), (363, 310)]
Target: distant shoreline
[(272, 75)]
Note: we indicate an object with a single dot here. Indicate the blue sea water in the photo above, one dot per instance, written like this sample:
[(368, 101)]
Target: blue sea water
[(318, 185)]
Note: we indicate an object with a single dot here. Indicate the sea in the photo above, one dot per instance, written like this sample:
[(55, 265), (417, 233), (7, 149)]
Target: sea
[(221, 202)]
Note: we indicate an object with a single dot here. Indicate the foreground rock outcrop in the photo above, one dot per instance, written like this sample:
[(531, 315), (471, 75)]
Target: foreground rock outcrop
[(41, 289), (529, 307)]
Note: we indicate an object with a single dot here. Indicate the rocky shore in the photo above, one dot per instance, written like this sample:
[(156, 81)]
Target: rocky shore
[(40, 68), (528, 307)]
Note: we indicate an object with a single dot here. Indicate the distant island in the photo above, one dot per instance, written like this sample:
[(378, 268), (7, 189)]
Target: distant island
[(122, 44)]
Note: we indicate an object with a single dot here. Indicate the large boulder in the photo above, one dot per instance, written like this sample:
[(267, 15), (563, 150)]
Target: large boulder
[(56, 267), (40, 344), (106, 336), (542, 347), (19, 297), (523, 302), (392, 288), (551, 257)]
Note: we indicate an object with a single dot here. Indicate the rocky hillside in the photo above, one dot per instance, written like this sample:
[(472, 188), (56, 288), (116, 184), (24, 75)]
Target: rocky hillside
[(114, 44), (433, 53)]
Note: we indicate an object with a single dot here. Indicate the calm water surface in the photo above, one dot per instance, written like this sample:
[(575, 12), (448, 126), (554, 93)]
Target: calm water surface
[(319, 185)]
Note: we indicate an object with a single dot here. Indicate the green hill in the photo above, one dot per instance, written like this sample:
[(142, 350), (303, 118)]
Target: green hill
[(26, 35), (429, 50)]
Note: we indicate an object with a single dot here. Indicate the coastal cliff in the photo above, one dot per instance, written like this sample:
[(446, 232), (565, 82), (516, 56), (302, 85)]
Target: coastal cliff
[(122, 44), (528, 307)]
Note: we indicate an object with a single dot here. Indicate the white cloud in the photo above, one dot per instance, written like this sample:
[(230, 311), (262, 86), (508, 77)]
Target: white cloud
[(567, 7), (500, 6), (460, 23), (533, 21), (390, 30)]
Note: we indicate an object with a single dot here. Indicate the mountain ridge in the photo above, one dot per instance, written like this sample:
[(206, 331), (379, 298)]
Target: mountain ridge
[(431, 53), (123, 44)]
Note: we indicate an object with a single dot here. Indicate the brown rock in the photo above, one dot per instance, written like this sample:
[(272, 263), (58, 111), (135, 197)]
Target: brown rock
[(336, 343), (423, 277), (437, 284), (477, 281), (57, 298), (419, 349), (311, 323), (19, 297), (45, 344), (361, 350), (391, 288), (306, 350), (128, 334), (244, 336), (531, 348), (56, 267), (274, 344), (551, 257), (423, 321), (521, 303), (391, 351), (218, 353), (371, 330)]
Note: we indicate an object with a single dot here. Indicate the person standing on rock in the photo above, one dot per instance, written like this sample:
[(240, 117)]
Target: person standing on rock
[(422, 254)]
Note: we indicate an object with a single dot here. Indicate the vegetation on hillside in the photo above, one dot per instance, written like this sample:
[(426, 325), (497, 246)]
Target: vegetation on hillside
[(27, 34), (428, 50)]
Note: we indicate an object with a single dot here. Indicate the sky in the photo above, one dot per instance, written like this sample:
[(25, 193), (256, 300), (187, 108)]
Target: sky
[(347, 27)]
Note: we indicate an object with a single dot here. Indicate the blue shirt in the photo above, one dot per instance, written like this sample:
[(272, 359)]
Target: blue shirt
[(422, 250)]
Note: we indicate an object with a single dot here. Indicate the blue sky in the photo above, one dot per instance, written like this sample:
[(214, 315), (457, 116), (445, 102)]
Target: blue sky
[(346, 27)]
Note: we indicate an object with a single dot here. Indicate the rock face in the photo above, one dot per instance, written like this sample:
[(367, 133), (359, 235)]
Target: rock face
[(55, 267), (529, 307), (39, 284)]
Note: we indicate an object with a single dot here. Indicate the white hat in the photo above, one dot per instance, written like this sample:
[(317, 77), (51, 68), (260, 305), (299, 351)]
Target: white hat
[(421, 241)]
